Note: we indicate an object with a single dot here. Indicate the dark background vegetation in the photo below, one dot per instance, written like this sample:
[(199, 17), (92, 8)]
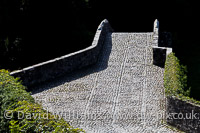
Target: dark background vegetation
[(32, 31)]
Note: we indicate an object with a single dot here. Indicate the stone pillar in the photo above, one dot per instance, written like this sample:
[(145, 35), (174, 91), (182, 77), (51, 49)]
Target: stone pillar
[(156, 27), (155, 33)]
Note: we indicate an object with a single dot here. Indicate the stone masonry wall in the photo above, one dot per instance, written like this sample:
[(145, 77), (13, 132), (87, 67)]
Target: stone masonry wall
[(59, 66), (160, 51), (183, 115)]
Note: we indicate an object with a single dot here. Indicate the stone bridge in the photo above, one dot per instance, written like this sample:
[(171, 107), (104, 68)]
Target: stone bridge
[(121, 93)]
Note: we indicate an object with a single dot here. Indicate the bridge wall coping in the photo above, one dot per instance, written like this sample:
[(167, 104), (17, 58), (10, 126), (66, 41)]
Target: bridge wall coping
[(51, 69)]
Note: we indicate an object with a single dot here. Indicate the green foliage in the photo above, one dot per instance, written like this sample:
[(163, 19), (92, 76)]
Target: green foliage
[(175, 77), (175, 80), (25, 114), (11, 91), (35, 119)]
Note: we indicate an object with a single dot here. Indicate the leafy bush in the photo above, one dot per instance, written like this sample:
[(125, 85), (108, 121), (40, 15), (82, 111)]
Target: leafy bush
[(22, 106), (175, 77), (35, 119), (11, 91)]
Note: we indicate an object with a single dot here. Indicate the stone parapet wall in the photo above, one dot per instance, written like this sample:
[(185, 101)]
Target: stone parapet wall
[(161, 43), (183, 115), (59, 66)]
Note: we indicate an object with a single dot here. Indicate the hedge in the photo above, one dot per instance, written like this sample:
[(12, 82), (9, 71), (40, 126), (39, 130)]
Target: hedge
[(175, 77), (15, 98), (175, 80)]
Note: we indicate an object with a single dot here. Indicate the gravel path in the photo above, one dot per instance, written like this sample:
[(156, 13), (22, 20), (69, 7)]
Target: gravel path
[(122, 93)]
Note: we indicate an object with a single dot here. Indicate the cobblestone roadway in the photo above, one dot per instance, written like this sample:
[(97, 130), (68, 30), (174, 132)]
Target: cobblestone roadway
[(122, 93)]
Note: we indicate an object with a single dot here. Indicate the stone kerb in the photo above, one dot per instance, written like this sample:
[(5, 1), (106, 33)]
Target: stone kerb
[(59, 66), (183, 115)]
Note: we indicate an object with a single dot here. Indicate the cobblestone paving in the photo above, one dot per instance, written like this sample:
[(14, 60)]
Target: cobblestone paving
[(122, 93)]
